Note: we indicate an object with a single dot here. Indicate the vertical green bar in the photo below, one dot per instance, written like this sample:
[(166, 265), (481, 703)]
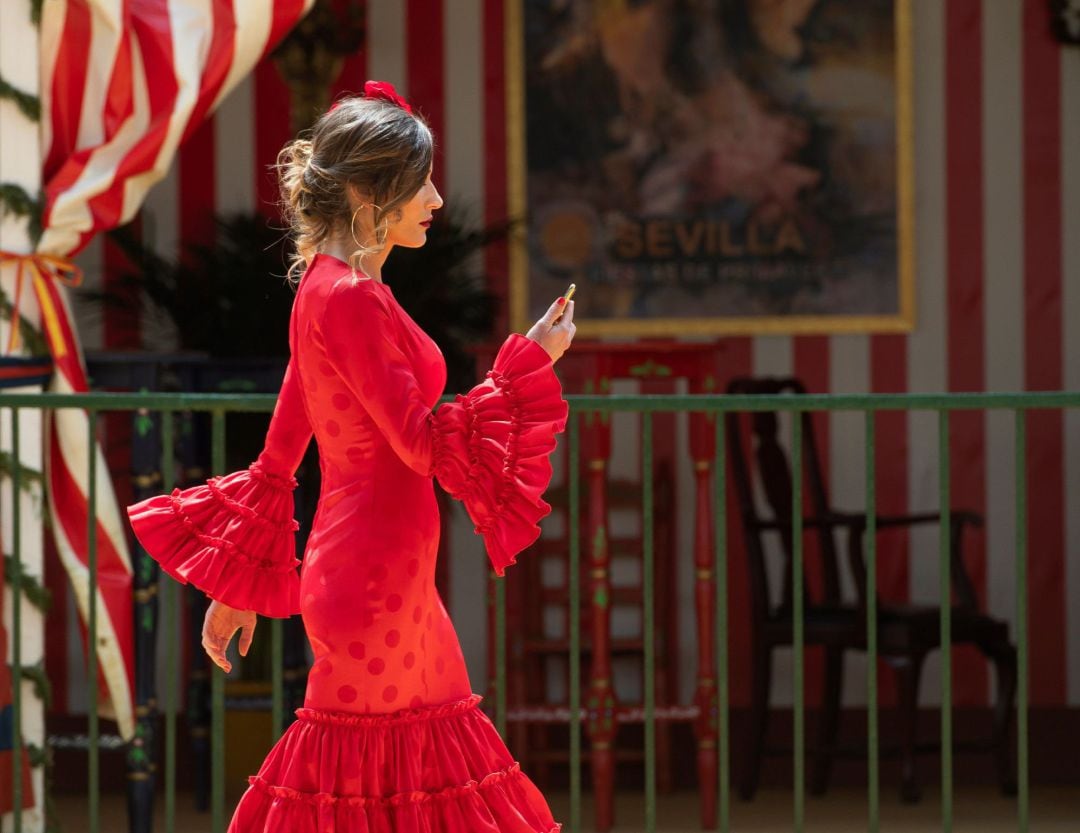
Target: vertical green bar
[(1023, 799), (277, 680), (500, 655), (873, 790), (797, 617), (720, 514), (91, 625), (170, 611), (946, 623), (16, 623), (649, 624), (217, 676), (573, 475)]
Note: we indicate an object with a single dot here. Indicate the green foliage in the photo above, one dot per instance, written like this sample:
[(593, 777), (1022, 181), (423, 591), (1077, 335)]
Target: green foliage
[(35, 11), (32, 338), (32, 483), (232, 300), (29, 105), (36, 674), (37, 756), (37, 594), (15, 200), (229, 300), (28, 477), (43, 757)]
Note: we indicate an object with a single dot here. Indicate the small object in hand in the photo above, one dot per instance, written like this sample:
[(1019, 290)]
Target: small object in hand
[(570, 290)]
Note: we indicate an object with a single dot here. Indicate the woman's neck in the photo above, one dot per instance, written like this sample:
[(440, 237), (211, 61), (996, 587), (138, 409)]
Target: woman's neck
[(342, 249)]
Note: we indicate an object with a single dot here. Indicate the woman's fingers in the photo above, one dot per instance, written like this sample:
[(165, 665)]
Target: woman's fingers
[(215, 649), (247, 633), (555, 329), (216, 635), (565, 328), (554, 311)]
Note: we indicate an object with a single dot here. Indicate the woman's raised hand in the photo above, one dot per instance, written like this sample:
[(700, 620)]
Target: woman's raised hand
[(220, 624), (552, 333)]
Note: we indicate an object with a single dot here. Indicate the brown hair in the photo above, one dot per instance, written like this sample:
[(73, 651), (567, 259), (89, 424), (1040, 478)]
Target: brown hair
[(370, 143)]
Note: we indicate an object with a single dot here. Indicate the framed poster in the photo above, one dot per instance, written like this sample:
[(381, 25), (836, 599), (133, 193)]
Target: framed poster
[(722, 167)]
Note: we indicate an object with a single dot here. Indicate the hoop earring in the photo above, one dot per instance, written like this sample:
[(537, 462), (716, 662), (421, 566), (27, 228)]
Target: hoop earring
[(352, 222), (352, 225)]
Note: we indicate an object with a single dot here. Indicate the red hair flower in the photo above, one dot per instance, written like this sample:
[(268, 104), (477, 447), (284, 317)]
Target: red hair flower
[(385, 90)]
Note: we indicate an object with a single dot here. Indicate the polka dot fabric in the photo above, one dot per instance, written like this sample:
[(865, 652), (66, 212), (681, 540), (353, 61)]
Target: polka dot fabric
[(391, 738)]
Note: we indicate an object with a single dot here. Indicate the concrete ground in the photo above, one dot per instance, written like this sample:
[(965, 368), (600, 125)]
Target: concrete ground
[(1053, 810)]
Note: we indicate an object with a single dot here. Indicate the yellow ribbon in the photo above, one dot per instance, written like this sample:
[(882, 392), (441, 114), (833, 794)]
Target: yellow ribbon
[(39, 266)]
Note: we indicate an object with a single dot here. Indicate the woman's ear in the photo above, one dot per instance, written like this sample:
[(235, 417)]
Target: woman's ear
[(356, 197)]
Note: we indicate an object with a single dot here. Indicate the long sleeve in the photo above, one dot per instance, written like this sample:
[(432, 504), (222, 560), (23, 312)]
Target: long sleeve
[(489, 448), (234, 536)]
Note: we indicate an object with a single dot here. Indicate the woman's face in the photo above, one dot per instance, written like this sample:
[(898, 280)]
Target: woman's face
[(410, 229)]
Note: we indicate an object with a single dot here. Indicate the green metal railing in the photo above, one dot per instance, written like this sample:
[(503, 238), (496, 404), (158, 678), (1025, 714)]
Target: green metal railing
[(219, 405), (869, 405), (165, 404)]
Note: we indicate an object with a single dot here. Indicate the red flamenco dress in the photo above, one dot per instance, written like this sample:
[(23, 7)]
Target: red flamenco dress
[(391, 738)]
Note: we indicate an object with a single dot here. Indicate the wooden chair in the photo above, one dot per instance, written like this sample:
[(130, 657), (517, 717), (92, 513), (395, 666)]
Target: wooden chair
[(907, 633), (536, 656), (657, 367)]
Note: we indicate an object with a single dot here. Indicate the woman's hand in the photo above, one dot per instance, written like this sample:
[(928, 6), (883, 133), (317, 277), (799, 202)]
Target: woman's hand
[(552, 333), (220, 624)]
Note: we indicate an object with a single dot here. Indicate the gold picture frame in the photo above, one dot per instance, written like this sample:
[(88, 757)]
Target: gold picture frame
[(903, 320)]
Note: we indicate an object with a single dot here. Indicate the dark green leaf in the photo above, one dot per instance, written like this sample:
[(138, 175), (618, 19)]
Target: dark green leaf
[(29, 105)]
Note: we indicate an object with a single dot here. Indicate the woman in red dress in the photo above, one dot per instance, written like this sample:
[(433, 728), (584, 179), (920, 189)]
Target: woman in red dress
[(391, 738)]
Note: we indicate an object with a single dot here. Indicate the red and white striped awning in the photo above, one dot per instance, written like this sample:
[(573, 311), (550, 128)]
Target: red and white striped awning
[(123, 84)]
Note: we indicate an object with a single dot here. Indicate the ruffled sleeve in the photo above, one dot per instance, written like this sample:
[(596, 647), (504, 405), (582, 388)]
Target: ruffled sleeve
[(493, 448), (489, 448), (234, 536)]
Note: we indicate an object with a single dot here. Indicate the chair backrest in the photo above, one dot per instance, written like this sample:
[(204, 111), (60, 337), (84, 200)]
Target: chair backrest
[(755, 437)]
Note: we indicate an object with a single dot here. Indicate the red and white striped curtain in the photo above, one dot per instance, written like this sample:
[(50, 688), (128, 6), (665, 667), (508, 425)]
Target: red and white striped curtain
[(123, 84)]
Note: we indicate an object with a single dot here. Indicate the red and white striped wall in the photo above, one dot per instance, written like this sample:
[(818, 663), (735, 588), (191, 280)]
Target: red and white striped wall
[(997, 105)]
